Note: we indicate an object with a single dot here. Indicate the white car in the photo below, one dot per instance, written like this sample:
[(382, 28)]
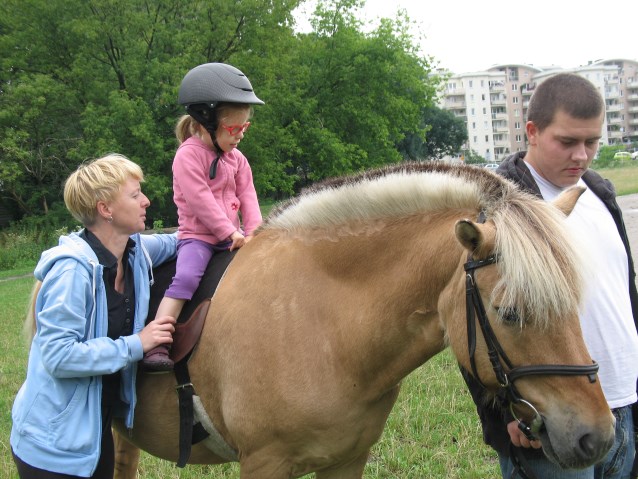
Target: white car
[(634, 155), (491, 166)]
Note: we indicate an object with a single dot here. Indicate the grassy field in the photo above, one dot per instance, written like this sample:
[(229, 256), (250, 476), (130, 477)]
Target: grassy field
[(433, 431), (624, 178)]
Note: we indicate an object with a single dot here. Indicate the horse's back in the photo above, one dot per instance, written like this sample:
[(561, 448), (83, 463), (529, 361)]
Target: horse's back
[(163, 275)]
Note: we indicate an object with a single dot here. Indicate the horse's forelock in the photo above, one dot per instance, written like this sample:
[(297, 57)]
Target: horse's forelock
[(541, 272)]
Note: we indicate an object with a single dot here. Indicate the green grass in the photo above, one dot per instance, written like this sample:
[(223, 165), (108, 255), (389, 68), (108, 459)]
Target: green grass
[(17, 272), (13, 360), (433, 431), (624, 178)]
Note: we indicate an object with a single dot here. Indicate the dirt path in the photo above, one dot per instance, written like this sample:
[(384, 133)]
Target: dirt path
[(629, 206)]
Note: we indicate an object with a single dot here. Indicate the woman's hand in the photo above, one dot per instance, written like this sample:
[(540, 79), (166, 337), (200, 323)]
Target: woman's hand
[(159, 331)]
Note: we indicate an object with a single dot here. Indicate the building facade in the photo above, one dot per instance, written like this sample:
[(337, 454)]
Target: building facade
[(493, 103)]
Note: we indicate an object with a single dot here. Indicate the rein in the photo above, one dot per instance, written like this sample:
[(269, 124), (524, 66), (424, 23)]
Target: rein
[(503, 368)]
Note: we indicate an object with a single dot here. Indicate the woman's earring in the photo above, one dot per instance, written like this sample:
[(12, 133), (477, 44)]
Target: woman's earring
[(110, 219)]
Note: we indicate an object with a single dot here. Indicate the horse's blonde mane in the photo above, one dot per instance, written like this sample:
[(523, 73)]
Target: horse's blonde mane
[(391, 192), (540, 273)]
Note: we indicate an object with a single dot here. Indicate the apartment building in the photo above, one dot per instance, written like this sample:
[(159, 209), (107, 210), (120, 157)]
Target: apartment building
[(493, 103)]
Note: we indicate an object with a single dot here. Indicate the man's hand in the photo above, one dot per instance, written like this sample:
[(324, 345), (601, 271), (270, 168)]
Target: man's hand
[(519, 439)]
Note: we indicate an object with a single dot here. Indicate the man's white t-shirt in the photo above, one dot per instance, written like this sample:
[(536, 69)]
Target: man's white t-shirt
[(606, 317)]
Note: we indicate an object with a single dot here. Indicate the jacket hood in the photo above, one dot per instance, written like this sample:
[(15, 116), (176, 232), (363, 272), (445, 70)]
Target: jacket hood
[(71, 246)]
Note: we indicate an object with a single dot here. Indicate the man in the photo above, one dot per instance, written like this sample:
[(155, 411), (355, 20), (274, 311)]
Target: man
[(565, 119)]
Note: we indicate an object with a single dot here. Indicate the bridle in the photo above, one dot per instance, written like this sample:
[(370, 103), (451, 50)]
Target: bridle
[(505, 372)]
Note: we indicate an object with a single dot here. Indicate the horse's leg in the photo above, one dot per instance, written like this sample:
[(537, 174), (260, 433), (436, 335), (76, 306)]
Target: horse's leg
[(127, 457), (352, 470)]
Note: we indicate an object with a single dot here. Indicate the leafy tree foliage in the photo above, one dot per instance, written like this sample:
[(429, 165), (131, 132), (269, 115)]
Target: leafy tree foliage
[(471, 157), (82, 78), (445, 135)]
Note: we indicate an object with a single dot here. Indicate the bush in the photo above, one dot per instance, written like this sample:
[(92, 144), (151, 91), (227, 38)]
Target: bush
[(23, 242)]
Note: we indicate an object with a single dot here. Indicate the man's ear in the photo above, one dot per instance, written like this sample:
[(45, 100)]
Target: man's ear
[(532, 132)]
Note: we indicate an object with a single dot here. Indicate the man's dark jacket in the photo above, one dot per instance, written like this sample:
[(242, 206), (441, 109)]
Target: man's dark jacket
[(494, 417)]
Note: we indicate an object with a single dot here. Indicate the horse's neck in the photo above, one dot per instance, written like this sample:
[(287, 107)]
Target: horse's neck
[(390, 279)]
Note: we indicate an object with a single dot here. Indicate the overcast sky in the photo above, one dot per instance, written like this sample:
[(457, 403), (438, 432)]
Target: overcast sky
[(470, 35)]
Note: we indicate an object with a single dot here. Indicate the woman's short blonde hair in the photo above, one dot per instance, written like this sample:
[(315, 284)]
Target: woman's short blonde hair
[(97, 180)]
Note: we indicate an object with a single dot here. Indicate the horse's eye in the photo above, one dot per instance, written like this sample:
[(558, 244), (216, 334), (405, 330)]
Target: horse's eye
[(509, 315)]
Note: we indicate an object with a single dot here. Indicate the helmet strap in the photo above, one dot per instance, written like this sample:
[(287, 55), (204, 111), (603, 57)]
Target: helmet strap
[(218, 154)]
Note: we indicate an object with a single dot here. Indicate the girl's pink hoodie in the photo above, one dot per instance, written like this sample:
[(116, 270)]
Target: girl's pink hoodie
[(207, 209)]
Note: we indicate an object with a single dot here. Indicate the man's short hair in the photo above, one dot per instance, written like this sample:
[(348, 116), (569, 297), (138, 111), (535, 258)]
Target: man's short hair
[(571, 93)]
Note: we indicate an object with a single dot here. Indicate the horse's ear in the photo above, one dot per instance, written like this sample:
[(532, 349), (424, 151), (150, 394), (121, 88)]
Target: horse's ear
[(568, 198), (468, 234)]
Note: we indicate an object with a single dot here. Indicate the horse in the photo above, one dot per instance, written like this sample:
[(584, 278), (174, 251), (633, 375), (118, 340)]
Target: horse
[(350, 286)]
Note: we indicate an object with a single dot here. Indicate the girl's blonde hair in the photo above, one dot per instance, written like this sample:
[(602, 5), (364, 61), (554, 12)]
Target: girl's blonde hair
[(97, 180), (187, 126)]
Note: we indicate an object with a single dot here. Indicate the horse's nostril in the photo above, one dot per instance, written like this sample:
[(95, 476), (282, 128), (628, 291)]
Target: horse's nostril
[(587, 445)]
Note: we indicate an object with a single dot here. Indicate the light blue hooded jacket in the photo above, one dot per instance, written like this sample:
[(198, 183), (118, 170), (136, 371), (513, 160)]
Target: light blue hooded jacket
[(57, 411)]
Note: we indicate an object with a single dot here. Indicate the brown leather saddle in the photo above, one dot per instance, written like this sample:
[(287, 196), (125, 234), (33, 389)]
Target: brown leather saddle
[(193, 316)]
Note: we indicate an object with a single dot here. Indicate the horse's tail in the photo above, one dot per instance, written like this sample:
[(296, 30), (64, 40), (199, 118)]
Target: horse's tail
[(29, 327)]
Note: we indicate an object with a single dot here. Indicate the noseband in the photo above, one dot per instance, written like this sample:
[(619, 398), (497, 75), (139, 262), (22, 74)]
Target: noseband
[(505, 373)]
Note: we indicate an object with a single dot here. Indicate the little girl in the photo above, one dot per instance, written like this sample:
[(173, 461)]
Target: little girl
[(212, 182)]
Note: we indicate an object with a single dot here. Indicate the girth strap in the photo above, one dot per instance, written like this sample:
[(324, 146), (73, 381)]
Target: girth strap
[(189, 433)]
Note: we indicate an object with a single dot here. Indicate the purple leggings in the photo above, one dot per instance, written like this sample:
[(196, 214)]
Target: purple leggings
[(192, 259)]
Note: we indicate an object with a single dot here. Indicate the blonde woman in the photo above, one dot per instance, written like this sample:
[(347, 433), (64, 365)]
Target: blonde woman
[(90, 312)]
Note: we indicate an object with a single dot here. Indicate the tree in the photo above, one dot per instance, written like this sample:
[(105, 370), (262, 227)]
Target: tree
[(81, 78), (359, 93), (445, 135)]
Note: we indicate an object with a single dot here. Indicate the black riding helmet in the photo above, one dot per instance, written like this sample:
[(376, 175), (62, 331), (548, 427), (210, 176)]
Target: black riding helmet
[(207, 85)]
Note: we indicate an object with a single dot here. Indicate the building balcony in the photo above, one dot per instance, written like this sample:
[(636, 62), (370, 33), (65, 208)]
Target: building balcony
[(615, 134)]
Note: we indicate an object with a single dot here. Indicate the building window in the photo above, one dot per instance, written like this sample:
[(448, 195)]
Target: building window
[(515, 99), (517, 125), (470, 84), (514, 87), (519, 138)]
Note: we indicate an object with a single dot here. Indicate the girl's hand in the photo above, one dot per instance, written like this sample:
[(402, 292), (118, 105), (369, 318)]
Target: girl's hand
[(238, 240)]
